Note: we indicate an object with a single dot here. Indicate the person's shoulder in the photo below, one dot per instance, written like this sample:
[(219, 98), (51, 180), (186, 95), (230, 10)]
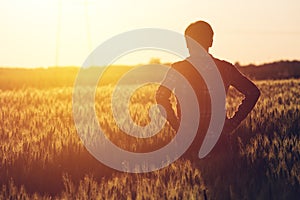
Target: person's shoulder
[(229, 72), (179, 63), (223, 63), (225, 66)]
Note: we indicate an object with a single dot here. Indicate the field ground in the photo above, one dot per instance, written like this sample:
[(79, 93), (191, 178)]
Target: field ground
[(41, 155)]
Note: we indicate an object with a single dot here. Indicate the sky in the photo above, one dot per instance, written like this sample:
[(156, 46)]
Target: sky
[(42, 33)]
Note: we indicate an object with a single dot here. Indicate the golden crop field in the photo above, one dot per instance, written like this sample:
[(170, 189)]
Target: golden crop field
[(42, 156)]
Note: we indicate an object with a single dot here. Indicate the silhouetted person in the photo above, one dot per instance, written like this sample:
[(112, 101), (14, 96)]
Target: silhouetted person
[(202, 33)]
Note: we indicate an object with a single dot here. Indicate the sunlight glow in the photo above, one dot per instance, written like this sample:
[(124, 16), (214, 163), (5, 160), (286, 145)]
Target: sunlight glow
[(33, 33)]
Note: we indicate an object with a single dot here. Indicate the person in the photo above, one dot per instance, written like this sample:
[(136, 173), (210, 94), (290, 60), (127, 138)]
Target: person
[(202, 33)]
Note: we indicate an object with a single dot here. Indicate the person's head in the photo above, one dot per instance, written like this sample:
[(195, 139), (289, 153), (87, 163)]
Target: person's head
[(201, 32)]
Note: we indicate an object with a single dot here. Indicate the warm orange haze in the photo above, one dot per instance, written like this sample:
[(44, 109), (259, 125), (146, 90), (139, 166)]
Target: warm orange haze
[(43, 45), (64, 32)]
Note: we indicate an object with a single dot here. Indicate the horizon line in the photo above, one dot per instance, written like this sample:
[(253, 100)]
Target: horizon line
[(139, 64)]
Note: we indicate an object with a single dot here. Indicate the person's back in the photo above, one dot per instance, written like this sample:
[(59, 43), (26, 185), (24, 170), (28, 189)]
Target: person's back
[(203, 34)]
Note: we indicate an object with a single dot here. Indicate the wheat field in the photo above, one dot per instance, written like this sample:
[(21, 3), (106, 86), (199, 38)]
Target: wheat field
[(42, 156)]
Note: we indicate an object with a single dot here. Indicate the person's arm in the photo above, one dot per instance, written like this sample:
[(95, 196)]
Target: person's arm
[(251, 93), (163, 96)]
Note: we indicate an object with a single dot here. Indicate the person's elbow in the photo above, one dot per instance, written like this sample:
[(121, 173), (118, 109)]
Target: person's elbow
[(253, 94), (159, 95), (256, 93)]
